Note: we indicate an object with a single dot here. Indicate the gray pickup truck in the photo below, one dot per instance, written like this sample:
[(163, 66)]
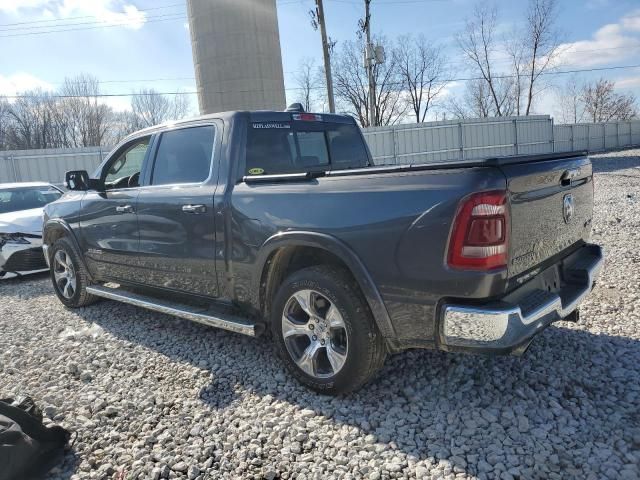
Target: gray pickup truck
[(249, 221)]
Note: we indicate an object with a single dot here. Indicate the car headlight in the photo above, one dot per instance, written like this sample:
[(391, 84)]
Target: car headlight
[(13, 238)]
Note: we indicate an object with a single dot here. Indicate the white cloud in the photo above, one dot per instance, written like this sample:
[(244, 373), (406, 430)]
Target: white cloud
[(119, 104), (21, 82), (12, 6), (108, 12), (628, 83), (614, 42)]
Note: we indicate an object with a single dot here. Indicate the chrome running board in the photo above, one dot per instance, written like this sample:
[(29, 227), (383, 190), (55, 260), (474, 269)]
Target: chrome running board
[(202, 315)]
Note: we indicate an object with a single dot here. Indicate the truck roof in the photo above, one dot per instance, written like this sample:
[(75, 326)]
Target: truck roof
[(256, 116)]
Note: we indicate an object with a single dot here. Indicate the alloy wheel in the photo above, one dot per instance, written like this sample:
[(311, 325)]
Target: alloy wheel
[(64, 274), (315, 334)]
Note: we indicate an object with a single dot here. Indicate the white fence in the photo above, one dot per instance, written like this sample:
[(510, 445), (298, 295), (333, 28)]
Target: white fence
[(460, 140), (47, 165), (596, 137), (401, 144)]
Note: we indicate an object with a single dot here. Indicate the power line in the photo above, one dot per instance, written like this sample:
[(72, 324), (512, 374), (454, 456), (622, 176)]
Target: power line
[(103, 23), (181, 17), (89, 16), (563, 72)]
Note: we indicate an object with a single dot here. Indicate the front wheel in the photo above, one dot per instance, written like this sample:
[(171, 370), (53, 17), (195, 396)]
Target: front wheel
[(324, 330), (69, 276)]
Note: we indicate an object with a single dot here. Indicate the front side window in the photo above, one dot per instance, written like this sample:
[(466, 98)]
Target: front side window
[(184, 156), (25, 198), (124, 170)]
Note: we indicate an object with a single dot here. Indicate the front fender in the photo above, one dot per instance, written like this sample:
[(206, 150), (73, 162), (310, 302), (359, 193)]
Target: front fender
[(340, 249), (53, 229)]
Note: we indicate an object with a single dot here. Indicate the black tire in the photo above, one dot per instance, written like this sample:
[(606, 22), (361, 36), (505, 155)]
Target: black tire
[(366, 350), (79, 297)]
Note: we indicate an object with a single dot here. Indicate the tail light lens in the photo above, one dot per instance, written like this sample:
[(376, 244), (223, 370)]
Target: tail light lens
[(480, 236)]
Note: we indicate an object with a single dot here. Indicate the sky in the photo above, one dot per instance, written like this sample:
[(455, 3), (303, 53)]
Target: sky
[(133, 44)]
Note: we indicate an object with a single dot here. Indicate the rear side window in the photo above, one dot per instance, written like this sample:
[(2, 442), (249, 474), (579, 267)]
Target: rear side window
[(296, 147), (184, 156)]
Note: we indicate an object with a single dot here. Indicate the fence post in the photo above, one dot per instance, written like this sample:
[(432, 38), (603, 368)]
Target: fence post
[(553, 136), (12, 159), (395, 145), (461, 140), (604, 136), (515, 135), (573, 147)]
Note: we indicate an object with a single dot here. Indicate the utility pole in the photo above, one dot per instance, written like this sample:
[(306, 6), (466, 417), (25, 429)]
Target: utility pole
[(369, 62), (327, 59)]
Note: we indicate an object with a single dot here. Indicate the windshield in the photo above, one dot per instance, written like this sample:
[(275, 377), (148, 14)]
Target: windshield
[(25, 198)]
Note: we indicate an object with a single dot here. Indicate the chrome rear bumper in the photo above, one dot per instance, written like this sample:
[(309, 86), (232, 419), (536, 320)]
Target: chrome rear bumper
[(508, 325)]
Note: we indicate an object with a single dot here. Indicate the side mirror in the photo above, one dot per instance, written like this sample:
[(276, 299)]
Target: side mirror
[(77, 180)]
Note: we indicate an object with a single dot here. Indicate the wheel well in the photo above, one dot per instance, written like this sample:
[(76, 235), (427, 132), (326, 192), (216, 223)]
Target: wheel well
[(287, 260), (53, 234)]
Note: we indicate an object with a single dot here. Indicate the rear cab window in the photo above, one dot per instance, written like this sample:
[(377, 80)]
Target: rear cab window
[(299, 143)]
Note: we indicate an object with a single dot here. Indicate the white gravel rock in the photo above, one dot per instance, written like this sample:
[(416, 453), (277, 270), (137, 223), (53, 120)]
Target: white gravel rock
[(150, 396)]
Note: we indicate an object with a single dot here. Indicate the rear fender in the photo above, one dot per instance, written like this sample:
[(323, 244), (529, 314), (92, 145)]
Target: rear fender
[(344, 253)]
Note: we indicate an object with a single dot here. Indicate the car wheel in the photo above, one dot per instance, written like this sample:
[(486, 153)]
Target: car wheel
[(324, 331), (69, 276)]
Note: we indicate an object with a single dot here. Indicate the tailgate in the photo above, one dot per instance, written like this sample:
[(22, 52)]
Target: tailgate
[(551, 209)]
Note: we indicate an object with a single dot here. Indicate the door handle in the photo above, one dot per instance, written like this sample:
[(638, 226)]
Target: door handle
[(124, 209), (194, 208)]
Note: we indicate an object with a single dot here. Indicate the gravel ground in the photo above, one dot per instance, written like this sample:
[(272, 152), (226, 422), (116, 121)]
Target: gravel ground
[(150, 396)]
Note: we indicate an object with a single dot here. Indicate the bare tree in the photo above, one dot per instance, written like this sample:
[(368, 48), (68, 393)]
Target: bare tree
[(516, 51), (603, 104), (4, 123), (479, 44), (352, 85), (476, 102), (571, 108), (121, 124), (309, 83), (540, 46), (82, 119), (421, 67), (151, 107), (31, 123)]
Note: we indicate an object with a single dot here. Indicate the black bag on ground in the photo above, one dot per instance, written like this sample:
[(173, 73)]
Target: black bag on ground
[(28, 449)]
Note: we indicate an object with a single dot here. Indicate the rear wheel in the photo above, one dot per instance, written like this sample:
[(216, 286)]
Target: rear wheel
[(69, 276), (324, 330)]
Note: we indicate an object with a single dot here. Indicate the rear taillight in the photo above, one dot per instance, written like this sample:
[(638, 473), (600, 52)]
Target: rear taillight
[(480, 236)]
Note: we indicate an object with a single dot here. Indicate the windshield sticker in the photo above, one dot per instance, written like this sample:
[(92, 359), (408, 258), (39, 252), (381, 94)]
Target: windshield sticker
[(271, 125), (256, 171)]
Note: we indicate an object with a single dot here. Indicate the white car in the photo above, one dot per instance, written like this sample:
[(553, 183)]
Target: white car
[(21, 207)]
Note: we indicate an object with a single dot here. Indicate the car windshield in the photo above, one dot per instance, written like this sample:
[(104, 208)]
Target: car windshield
[(25, 198)]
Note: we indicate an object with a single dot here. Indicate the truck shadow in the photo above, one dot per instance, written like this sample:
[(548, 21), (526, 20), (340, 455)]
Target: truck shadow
[(607, 163), (571, 401), (27, 286)]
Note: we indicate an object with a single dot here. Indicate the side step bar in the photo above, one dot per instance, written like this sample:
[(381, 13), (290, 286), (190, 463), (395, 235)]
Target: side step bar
[(202, 315)]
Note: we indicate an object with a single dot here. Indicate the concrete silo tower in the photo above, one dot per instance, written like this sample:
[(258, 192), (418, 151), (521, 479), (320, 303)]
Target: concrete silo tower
[(236, 54)]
